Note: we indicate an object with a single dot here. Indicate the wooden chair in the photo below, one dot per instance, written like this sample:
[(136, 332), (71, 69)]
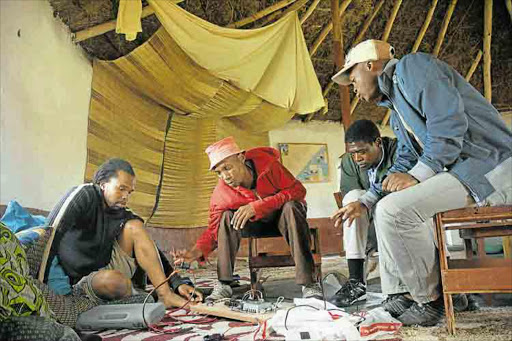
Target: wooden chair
[(259, 259), (473, 275)]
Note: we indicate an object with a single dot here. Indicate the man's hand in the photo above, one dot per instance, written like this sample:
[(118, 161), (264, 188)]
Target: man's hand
[(184, 256), (398, 181), (242, 216), (188, 292), (351, 211)]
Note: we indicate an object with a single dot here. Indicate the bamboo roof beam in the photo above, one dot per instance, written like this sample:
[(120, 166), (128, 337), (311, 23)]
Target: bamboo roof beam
[(425, 26), (282, 13), (360, 37), (444, 27), (487, 49), (327, 29), (391, 20), (385, 36), (339, 60), (100, 29), (508, 3), (309, 11), (325, 109), (263, 13), (474, 65), (367, 23)]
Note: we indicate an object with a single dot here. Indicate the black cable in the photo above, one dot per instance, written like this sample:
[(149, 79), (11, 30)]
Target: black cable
[(288, 311)]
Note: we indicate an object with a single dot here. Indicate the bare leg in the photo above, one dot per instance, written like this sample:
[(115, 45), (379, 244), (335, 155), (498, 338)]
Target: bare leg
[(134, 240)]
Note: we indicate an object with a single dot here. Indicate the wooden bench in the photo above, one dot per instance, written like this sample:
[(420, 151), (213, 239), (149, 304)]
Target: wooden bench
[(259, 260), (473, 275)]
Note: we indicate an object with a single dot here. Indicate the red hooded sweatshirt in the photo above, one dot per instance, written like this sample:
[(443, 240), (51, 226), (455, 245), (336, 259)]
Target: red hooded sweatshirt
[(275, 186)]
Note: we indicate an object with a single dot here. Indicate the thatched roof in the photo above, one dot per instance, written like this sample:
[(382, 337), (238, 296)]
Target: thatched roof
[(461, 44)]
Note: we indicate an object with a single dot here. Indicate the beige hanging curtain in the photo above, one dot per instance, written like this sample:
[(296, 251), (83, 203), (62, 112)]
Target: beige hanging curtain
[(212, 96), (272, 62)]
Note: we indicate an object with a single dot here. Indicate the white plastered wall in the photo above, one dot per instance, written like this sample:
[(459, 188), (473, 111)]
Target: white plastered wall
[(319, 195), (45, 88)]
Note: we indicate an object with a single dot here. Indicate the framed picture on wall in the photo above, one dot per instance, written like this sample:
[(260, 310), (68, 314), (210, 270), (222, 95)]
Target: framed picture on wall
[(308, 162)]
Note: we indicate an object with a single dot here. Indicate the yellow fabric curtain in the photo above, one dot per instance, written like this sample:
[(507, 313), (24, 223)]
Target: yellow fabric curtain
[(242, 94), (272, 62), (128, 18), (125, 124)]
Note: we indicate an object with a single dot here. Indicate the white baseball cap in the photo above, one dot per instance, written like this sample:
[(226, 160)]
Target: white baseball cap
[(368, 50)]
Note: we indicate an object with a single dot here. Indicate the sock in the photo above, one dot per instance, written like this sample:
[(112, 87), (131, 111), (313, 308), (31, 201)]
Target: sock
[(356, 269)]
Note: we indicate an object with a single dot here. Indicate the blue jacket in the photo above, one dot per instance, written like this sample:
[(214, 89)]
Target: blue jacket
[(460, 131)]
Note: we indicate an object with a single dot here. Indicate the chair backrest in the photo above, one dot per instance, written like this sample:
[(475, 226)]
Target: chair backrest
[(339, 199)]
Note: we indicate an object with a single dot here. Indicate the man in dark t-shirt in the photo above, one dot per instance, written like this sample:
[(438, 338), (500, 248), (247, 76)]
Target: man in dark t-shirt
[(99, 242)]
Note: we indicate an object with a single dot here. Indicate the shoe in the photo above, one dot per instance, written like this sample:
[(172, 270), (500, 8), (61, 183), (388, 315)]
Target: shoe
[(472, 303), (313, 290), (397, 304), (350, 292), (460, 302), (424, 315), (220, 291)]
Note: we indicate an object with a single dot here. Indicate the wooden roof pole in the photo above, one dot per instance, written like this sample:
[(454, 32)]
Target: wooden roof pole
[(424, 28), (281, 13), (444, 27), (487, 49), (339, 60), (100, 29), (415, 47), (367, 23), (385, 36), (358, 39), (328, 28), (474, 65), (261, 14), (309, 11)]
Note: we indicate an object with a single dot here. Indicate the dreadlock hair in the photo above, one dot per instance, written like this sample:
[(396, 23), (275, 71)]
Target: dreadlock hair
[(110, 168), (362, 131)]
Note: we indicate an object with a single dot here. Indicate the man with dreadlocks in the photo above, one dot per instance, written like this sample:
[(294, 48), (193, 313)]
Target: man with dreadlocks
[(99, 242)]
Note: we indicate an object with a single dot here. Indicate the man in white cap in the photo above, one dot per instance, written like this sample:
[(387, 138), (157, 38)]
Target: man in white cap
[(466, 160), (255, 193)]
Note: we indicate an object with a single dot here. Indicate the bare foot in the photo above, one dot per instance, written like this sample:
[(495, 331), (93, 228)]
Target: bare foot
[(172, 300)]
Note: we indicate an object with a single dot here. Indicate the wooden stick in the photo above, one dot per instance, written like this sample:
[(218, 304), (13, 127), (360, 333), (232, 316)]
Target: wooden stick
[(487, 49), (385, 36), (358, 39), (310, 11), (282, 13), (391, 20), (367, 23), (327, 29), (444, 27), (339, 60), (474, 65), (354, 104), (100, 29), (261, 14), (424, 28)]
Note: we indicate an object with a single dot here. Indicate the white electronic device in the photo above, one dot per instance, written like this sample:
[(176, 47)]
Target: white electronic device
[(120, 316)]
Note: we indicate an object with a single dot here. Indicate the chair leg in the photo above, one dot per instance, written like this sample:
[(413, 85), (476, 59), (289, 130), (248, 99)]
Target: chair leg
[(450, 316), (254, 279), (468, 246)]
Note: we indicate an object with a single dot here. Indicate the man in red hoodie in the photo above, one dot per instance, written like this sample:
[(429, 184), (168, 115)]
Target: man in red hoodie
[(255, 192)]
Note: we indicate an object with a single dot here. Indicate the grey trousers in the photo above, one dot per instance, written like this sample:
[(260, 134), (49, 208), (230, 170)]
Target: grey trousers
[(290, 222), (408, 256), (359, 237)]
